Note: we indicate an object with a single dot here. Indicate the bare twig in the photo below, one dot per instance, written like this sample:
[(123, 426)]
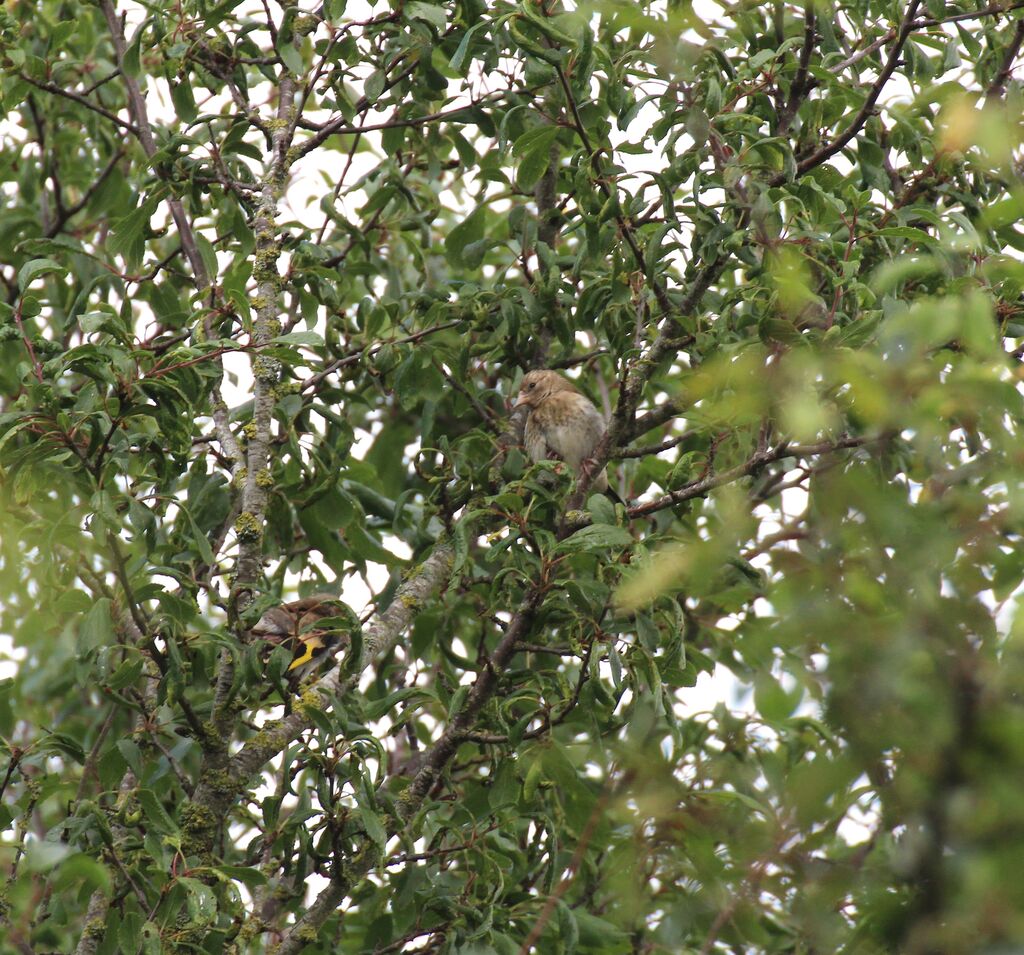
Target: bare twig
[(756, 461), (649, 449), (82, 101)]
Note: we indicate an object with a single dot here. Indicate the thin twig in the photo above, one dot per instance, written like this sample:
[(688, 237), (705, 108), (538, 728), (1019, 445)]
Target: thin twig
[(756, 461), (650, 449), (82, 101), (367, 351)]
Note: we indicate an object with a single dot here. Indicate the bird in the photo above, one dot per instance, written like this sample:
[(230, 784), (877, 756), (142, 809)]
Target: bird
[(303, 622), (561, 423)]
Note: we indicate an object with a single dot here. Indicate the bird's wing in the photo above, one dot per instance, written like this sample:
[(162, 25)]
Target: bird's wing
[(322, 610), (535, 438), (295, 616), (309, 646)]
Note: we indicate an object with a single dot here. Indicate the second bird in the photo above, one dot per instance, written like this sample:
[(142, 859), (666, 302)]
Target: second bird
[(561, 423)]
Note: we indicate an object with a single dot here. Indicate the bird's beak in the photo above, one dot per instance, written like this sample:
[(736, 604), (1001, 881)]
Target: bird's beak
[(521, 400)]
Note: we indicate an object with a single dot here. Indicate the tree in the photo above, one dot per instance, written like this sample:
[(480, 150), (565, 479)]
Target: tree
[(271, 275)]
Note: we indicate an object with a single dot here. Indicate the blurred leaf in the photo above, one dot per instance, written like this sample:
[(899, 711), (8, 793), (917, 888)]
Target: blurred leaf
[(596, 537)]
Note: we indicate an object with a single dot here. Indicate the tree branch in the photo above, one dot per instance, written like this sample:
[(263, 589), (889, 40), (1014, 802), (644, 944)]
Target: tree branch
[(81, 101), (799, 87), (826, 152), (437, 757), (649, 449), (756, 461), (596, 815), (213, 802), (189, 246), (144, 132), (998, 87)]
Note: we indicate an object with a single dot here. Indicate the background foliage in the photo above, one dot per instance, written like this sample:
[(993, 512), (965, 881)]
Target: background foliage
[(270, 275)]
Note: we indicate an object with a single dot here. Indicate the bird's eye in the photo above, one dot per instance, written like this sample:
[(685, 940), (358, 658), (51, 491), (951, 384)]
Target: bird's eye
[(531, 386)]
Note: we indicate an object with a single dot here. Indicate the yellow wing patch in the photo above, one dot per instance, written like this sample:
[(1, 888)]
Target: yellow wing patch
[(312, 644)]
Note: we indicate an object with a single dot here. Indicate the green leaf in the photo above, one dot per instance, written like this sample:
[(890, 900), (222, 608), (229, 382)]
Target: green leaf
[(44, 856), (127, 238), (184, 101), (463, 49), (131, 61), (201, 902), (129, 749), (34, 268), (595, 538), (374, 827), (535, 151), (126, 674), (567, 927), (374, 86), (80, 872), (310, 339), (905, 232), (74, 602), (471, 229), (199, 539), (772, 701), (292, 58), (249, 877), (97, 629), (156, 815), (436, 16), (601, 509), (129, 932), (208, 255)]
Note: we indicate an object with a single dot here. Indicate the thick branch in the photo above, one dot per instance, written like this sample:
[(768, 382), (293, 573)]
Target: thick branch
[(266, 370), (483, 689), (99, 902)]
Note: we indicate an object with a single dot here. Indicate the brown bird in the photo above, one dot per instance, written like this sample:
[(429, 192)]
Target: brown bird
[(561, 423), (298, 621)]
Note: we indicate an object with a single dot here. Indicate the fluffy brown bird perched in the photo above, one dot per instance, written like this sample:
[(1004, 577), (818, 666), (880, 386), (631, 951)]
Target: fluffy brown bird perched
[(298, 622), (561, 423)]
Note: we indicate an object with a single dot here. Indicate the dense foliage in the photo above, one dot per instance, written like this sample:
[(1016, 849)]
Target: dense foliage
[(270, 276)]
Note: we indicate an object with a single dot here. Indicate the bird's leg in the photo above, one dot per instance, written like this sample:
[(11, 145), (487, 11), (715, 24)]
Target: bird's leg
[(552, 455)]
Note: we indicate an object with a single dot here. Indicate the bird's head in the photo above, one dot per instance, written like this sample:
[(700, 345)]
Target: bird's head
[(538, 385)]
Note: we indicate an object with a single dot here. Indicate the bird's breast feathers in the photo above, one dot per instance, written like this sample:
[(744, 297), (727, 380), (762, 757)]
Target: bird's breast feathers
[(566, 426)]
